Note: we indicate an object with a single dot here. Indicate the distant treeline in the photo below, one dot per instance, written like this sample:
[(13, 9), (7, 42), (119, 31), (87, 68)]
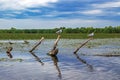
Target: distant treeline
[(108, 29)]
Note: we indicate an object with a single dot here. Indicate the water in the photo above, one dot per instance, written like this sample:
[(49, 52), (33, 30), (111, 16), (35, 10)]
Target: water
[(88, 64)]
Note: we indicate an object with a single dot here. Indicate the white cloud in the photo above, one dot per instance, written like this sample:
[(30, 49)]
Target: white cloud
[(39, 23), (107, 5), (23, 4), (17, 12), (89, 12), (118, 13), (34, 11), (92, 12), (9, 14)]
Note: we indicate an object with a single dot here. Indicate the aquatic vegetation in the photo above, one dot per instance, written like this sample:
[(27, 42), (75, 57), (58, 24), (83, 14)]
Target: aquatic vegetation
[(10, 60)]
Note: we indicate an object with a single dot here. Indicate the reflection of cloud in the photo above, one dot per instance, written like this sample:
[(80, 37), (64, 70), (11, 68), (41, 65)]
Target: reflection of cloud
[(23, 4)]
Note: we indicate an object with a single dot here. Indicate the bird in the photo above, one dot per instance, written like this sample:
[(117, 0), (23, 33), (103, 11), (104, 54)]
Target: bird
[(91, 34), (59, 31), (26, 42), (10, 43)]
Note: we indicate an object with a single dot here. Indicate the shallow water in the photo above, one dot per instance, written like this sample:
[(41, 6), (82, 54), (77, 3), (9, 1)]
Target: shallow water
[(85, 65)]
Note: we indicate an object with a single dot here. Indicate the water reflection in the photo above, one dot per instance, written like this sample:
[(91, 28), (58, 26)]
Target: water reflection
[(9, 49), (55, 61), (84, 62), (37, 58)]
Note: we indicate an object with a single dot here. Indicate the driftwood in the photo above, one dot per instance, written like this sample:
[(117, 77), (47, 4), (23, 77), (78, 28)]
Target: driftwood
[(55, 44), (37, 44), (37, 58), (80, 46), (54, 51), (9, 52)]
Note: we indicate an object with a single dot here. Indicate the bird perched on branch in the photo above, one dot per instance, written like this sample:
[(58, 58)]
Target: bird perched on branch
[(59, 31), (91, 34)]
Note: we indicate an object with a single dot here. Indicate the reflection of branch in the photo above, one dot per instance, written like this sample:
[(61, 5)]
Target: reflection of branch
[(84, 62), (37, 58), (55, 60), (9, 52)]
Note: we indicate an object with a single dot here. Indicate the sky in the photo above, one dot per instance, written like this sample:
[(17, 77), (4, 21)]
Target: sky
[(44, 14)]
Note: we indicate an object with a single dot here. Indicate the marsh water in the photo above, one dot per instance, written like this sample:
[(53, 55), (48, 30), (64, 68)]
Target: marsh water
[(99, 59)]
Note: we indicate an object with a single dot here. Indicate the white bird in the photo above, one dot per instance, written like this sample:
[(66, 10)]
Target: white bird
[(59, 31), (10, 42), (91, 34)]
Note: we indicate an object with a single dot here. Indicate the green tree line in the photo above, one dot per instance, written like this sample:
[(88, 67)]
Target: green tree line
[(107, 29)]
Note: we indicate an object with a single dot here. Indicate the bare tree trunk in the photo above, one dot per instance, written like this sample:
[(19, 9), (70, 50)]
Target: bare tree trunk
[(54, 51), (56, 42)]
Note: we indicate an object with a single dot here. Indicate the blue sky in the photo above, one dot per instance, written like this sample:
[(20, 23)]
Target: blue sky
[(37, 14)]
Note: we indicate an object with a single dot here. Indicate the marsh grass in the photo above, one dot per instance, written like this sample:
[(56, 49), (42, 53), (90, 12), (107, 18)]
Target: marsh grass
[(7, 36)]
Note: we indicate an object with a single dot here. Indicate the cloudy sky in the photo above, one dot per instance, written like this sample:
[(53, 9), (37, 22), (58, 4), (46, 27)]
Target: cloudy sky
[(58, 13)]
